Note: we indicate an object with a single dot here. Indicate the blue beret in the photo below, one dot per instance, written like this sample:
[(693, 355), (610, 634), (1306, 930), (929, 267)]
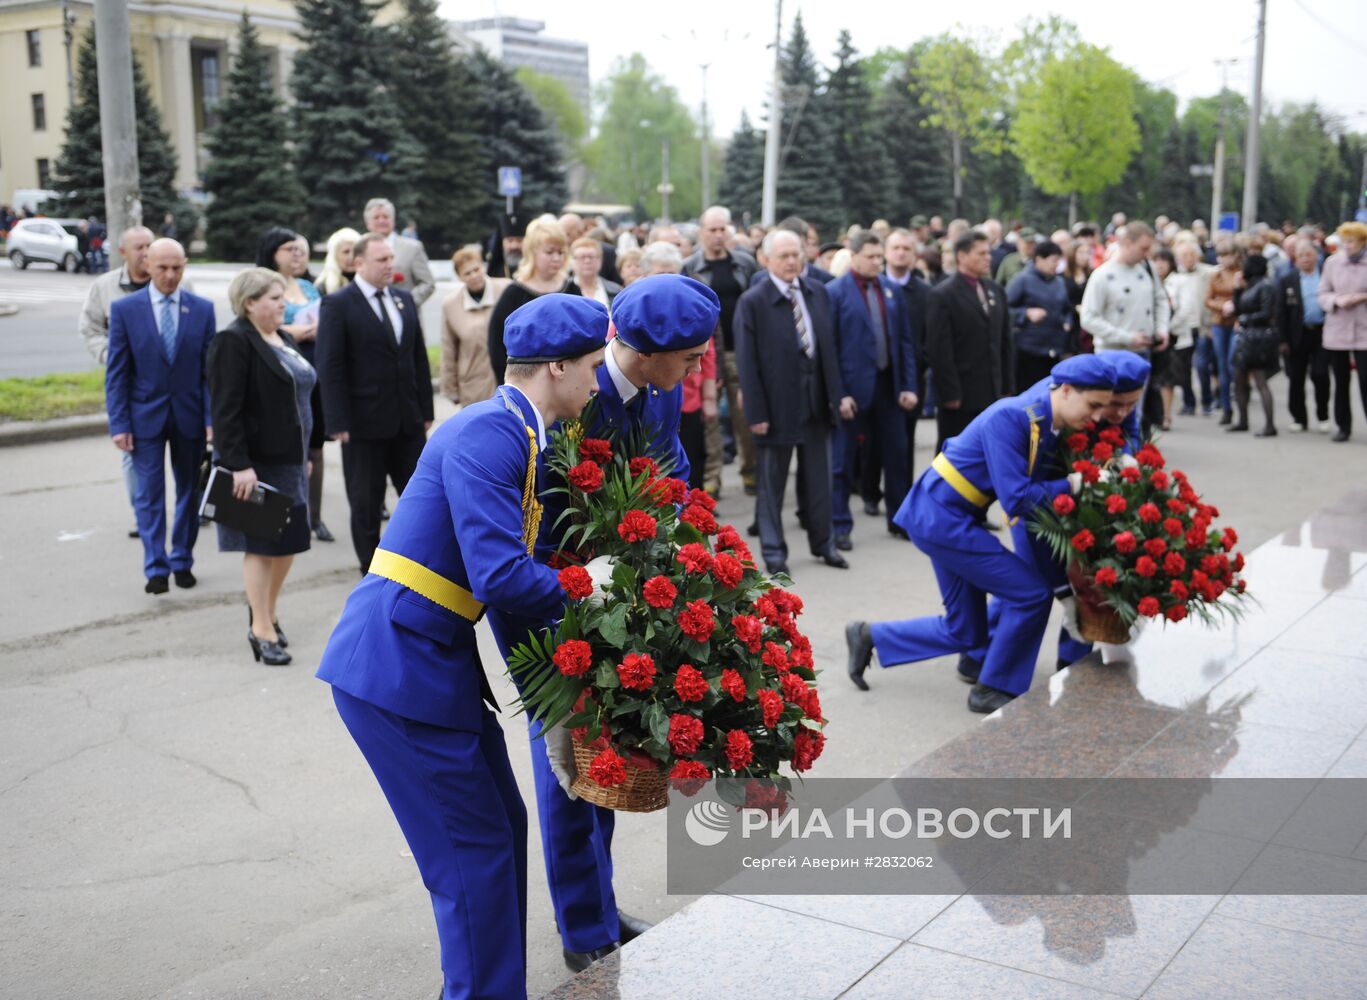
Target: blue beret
[(665, 312), (1131, 370), (1084, 371), (555, 327)]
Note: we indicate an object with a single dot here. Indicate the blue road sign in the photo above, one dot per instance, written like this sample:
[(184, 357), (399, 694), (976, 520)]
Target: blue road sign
[(1228, 223), (510, 181)]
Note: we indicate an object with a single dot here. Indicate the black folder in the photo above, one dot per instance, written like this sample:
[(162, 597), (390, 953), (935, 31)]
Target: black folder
[(265, 515)]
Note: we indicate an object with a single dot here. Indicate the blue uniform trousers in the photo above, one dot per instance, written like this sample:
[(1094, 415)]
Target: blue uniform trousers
[(576, 836), (969, 564), (456, 800), (149, 469), (885, 422)]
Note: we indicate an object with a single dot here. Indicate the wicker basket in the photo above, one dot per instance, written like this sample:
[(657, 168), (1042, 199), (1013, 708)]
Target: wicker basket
[(645, 790), (1097, 620)]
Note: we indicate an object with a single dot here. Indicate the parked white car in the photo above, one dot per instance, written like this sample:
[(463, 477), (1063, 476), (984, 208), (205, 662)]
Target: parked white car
[(34, 240)]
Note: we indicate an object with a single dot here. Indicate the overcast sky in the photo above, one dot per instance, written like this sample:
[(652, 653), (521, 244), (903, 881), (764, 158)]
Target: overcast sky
[(1315, 48)]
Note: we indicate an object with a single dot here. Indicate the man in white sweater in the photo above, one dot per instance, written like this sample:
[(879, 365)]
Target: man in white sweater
[(1123, 307)]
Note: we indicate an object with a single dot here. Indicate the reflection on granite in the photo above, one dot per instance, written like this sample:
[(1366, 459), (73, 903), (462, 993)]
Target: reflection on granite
[(1336, 625), (1148, 680), (1317, 692), (928, 974), (1278, 569), (1247, 961), (1116, 943), (1353, 763), (895, 916), (1189, 747), (755, 950)]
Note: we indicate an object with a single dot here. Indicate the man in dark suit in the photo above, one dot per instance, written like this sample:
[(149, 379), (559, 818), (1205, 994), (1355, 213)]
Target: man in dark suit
[(377, 386), (901, 256), (1299, 319), (878, 370), (158, 399), (792, 392), (968, 339)]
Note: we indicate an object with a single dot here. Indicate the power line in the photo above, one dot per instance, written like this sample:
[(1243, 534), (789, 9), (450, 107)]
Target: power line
[(1352, 43)]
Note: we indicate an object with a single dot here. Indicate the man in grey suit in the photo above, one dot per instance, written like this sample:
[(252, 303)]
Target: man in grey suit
[(792, 394), (410, 259)]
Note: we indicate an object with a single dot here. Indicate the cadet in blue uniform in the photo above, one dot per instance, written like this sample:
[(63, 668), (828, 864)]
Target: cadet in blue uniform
[(663, 324), (994, 458), (1130, 374), (403, 663)]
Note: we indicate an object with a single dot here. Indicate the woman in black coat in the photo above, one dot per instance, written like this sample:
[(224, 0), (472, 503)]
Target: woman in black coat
[(259, 387), (1257, 351)]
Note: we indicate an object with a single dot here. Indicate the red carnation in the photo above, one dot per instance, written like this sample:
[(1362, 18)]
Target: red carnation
[(688, 776), (766, 797), (573, 657), (1149, 512), (1229, 539), (587, 476), (701, 498), (398, 278), (794, 689), (1130, 475), (1150, 456), (608, 769), (700, 517), (1145, 567), (1090, 472), (1083, 540), (1125, 542), (1177, 612), (739, 750), (807, 747), (1077, 442), (1238, 561), (728, 537), (1196, 537), (576, 582), (1105, 577), (1064, 505), (749, 631), (637, 671), (1149, 607), (1172, 526), (1156, 547), (1176, 506), (659, 592), (695, 558), (775, 656), (768, 610), (1173, 564), (690, 684), (1159, 480), (595, 450), (637, 526), (1116, 504), (697, 622), (674, 490), (727, 570), (1179, 590), (785, 600), (685, 733), (733, 684), (771, 705), (812, 706), (1102, 452), (1112, 435), (640, 464)]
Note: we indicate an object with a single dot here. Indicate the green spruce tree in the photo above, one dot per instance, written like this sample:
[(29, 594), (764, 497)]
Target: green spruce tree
[(920, 152), (350, 143), (809, 177), (742, 179), (861, 152), (515, 133), (446, 199), (249, 174)]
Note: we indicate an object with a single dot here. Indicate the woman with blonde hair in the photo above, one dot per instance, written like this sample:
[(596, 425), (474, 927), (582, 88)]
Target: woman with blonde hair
[(259, 388), (544, 269), (466, 374), (629, 264), (339, 268)]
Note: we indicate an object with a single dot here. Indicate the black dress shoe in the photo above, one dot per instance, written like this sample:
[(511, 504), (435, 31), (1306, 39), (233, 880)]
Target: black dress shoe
[(751, 490), (831, 557), (843, 543), (969, 669), (321, 532), (753, 529), (134, 534), (897, 532), (156, 585), (629, 928), (778, 568), (267, 652), (578, 961), (984, 699), (1236, 428), (871, 509), (1227, 417), (1339, 437), (280, 636), (859, 642), (1266, 432), (185, 579)]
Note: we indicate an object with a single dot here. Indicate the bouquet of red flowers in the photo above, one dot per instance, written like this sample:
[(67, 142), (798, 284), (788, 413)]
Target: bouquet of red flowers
[(1139, 541), (688, 663)]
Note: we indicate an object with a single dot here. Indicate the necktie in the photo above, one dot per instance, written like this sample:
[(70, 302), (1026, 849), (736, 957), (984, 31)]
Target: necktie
[(384, 315), (880, 331), (168, 328), (804, 339)]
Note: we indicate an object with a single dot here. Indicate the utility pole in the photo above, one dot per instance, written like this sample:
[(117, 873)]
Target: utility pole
[(118, 125), (68, 38), (706, 145), (771, 142), (1255, 116), (665, 188), (1217, 190)]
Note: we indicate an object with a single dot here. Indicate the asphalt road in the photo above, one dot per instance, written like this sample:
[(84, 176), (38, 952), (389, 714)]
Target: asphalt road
[(181, 822)]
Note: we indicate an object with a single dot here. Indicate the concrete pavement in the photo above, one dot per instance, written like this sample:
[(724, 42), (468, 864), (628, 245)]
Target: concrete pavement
[(181, 822)]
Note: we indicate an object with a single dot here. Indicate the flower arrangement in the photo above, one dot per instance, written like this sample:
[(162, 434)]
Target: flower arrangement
[(1139, 541), (689, 664)]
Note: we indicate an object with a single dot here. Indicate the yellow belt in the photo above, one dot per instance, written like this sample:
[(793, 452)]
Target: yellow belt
[(961, 485), (421, 580)]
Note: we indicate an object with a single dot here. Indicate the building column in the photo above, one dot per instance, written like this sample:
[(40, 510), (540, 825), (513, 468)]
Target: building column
[(178, 105)]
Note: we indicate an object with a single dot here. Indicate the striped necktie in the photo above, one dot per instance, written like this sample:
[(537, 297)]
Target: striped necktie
[(804, 339), (168, 327)]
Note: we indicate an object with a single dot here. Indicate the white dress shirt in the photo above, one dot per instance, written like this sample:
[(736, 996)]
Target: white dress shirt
[(625, 387), (390, 305)]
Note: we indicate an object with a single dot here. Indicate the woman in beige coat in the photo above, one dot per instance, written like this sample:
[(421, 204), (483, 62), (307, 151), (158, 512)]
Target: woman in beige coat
[(466, 374), (1343, 296)]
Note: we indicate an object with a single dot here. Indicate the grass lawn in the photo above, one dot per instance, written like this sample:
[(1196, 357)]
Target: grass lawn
[(48, 396)]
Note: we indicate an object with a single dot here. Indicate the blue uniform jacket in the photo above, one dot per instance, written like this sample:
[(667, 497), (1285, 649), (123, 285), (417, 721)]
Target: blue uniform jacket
[(461, 517), (659, 412), (142, 385), (993, 453), (854, 337)]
